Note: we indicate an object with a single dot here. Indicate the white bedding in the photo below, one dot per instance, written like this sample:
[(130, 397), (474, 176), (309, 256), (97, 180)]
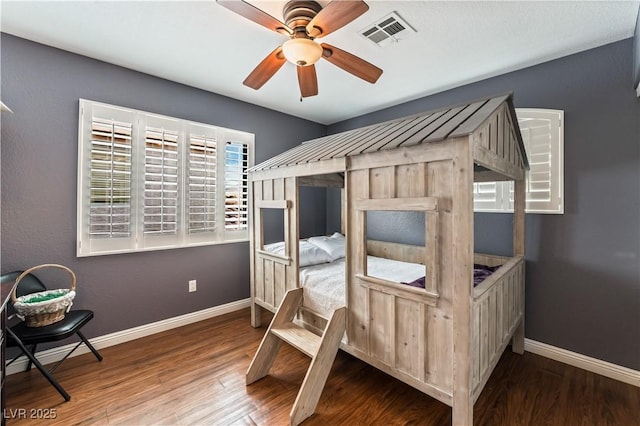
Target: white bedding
[(324, 284)]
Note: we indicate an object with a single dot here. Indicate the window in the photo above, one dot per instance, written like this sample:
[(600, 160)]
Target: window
[(148, 182), (543, 135)]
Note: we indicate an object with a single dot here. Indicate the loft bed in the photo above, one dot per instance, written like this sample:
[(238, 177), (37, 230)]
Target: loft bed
[(446, 337)]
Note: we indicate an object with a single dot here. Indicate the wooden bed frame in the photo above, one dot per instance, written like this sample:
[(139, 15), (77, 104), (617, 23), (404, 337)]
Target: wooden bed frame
[(446, 339)]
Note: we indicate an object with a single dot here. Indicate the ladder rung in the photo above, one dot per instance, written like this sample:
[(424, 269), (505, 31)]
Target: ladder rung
[(298, 337)]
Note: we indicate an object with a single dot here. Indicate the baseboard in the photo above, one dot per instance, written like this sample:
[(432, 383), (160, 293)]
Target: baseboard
[(55, 354), (604, 368)]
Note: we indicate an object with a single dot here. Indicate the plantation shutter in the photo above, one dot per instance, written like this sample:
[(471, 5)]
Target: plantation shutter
[(106, 176), (160, 205), (236, 188), (110, 193), (542, 134), (201, 199), (488, 196), (149, 182)]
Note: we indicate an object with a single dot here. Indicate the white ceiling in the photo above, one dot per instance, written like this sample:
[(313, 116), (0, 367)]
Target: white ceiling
[(204, 45)]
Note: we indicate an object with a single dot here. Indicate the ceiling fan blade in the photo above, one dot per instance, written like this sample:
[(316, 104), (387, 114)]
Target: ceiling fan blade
[(351, 63), (256, 15), (307, 80), (334, 16), (265, 69)]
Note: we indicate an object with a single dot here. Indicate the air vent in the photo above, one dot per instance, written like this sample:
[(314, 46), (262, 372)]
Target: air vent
[(387, 30)]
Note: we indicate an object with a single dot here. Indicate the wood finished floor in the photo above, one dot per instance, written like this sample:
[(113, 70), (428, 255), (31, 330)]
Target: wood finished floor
[(194, 375)]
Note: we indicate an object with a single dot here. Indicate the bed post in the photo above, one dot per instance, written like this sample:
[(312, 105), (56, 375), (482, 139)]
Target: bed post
[(256, 311), (517, 341), (461, 262)]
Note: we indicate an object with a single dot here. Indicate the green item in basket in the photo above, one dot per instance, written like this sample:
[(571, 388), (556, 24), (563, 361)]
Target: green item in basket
[(44, 297)]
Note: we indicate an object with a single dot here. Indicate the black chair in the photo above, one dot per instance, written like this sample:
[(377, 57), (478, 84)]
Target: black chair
[(28, 338)]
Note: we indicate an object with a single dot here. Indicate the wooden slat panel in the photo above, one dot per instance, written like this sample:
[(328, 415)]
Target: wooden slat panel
[(381, 326), (491, 160), (431, 238), (381, 182), (493, 134), (273, 204), (429, 126), (476, 344), (351, 138), (328, 166), (484, 334), (479, 117), (395, 251), (277, 160), (278, 189), (324, 181), (409, 338), (444, 131), (267, 190), (389, 133), (292, 231), (402, 155), (280, 282), (285, 157), (439, 349), (423, 134), (358, 140), (344, 139), (411, 180), (305, 155), (259, 281), (398, 204), (357, 183), (403, 132), (267, 273)]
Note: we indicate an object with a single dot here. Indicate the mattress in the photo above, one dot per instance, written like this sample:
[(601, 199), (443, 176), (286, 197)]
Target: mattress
[(324, 284)]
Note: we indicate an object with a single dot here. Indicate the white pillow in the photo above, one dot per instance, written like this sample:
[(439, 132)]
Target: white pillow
[(309, 254), (333, 245)]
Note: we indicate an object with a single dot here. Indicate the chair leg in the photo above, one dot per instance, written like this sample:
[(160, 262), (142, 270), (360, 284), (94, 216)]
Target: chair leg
[(90, 346), (34, 360), (33, 352)]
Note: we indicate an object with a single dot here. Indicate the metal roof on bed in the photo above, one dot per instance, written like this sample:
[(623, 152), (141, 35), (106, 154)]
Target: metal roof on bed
[(425, 127)]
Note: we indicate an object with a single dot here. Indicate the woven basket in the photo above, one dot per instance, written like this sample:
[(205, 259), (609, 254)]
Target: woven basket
[(45, 312)]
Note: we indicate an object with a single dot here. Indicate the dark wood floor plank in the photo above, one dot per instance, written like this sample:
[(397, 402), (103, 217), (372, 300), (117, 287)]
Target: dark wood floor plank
[(195, 375)]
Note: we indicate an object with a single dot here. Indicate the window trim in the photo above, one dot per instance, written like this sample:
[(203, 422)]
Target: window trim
[(138, 241)]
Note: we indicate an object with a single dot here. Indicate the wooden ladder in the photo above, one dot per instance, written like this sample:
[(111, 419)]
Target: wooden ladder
[(321, 349)]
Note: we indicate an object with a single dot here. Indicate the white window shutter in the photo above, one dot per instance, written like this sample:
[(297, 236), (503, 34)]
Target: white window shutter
[(236, 189), (201, 182), (149, 182), (542, 134), (160, 199), (105, 205), (488, 196)]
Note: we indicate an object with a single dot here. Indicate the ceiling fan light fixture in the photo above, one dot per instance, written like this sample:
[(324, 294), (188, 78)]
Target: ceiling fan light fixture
[(302, 51)]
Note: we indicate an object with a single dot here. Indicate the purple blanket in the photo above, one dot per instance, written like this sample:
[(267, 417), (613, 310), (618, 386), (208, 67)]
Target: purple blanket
[(480, 272)]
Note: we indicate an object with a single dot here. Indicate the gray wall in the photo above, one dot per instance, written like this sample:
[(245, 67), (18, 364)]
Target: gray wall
[(39, 164), (636, 53), (583, 274)]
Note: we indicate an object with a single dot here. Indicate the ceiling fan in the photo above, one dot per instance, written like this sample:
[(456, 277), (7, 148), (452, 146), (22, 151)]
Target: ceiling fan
[(304, 21)]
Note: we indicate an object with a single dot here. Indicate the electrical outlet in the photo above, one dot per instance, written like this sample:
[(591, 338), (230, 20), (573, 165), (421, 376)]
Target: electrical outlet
[(192, 286)]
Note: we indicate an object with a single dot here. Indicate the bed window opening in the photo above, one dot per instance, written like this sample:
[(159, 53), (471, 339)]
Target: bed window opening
[(273, 239), (411, 264)]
